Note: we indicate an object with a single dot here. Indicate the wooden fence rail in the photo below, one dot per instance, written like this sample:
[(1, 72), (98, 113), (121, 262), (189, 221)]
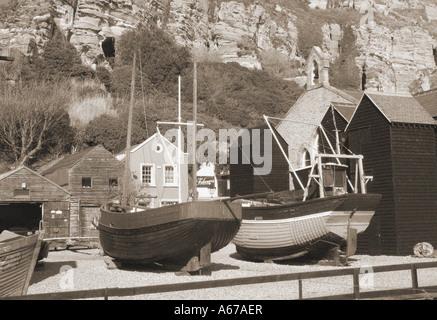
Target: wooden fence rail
[(354, 272)]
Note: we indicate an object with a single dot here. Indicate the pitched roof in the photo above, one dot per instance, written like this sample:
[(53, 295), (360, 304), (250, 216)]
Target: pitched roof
[(401, 108), (68, 161), (121, 155), (346, 110), (354, 93), (428, 100), (9, 173)]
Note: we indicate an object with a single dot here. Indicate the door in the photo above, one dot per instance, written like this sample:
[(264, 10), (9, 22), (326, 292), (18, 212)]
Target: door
[(88, 215), (56, 219)]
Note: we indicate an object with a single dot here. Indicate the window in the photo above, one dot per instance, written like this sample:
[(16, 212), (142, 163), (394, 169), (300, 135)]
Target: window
[(168, 203), (147, 174), (169, 175), (86, 182), (315, 78), (113, 183), (306, 158)]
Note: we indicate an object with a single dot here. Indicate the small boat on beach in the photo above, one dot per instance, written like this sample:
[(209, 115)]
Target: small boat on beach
[(18, 257), (169, 235), (311, 219), (271, 231)]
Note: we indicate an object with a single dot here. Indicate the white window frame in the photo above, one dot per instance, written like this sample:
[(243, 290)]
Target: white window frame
[(152, 178), (304, 162), (175, 181)]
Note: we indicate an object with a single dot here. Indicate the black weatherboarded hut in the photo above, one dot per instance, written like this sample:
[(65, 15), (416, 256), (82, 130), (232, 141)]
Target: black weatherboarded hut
[(396, 136), (243, 180)]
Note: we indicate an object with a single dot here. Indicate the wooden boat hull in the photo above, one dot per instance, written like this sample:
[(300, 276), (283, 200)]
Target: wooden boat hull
[(18, 257), (171, 234), (269, 232)]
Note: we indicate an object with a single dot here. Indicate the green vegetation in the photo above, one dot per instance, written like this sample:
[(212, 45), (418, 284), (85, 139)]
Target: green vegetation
[(229, 96), (344, 73), (34, 121)]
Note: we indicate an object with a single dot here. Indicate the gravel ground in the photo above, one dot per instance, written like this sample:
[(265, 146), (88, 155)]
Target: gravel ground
[(89, 271)]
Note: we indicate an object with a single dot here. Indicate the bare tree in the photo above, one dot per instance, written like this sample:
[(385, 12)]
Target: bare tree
[(30, 116)]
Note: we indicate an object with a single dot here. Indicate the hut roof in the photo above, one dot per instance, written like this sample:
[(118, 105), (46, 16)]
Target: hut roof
[(69, 160), (401, 108), (428, 100)]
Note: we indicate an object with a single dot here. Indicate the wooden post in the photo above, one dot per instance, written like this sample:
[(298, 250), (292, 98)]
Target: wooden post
[(414, 280), (362, 179), (300, 289), (180, 142), (127, 172), (194, 171), (356, 280), (319, 166), (356, 177)]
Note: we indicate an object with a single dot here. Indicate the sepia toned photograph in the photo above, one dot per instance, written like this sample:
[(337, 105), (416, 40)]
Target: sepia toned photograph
[(218, 157)]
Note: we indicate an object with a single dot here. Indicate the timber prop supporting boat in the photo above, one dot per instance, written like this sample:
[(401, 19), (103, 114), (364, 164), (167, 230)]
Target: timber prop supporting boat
[(312, 219), (18, 257), (169, 235)]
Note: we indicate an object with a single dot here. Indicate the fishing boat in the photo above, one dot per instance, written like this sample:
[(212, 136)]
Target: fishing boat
[(172, 235), (311, 219), (18, 257)]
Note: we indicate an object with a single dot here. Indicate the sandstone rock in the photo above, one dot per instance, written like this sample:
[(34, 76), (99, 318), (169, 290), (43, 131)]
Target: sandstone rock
[(431, 11), (394, 58)]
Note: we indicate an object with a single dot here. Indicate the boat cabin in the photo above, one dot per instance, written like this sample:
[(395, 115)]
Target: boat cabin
[(334, 179)]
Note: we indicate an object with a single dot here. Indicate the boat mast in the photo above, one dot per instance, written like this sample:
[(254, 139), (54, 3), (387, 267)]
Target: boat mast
[(179, 141), (128, 137), (194, 170)]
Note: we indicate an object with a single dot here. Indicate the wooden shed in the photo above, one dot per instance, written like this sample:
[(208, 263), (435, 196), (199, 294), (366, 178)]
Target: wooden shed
[(242, 177), (26, 198), (396, 136), (91, 176)]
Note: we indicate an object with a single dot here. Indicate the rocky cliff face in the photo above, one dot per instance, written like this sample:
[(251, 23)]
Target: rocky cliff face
[(396, 52)]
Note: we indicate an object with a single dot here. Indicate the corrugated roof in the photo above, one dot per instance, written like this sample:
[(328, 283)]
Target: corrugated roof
[(428, 100), (68, 161), (401, 108)]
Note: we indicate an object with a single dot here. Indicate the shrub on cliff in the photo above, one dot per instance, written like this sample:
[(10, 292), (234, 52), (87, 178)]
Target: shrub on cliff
[(238, 95), (160, 57), (344, 73)]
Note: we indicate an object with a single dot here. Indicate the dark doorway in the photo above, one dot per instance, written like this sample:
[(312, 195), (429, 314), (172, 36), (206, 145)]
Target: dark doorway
[(20, 217), (108, 47), (434, 52)]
